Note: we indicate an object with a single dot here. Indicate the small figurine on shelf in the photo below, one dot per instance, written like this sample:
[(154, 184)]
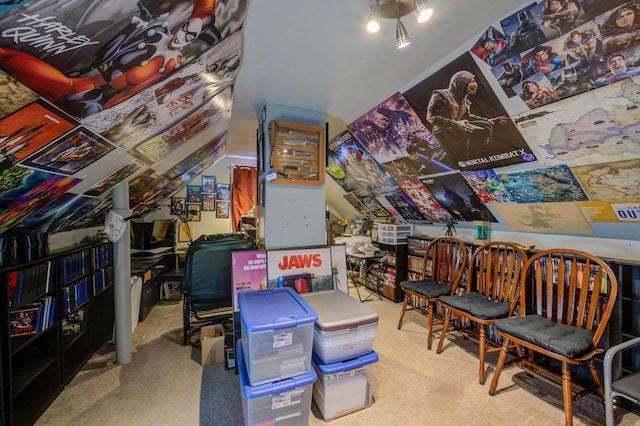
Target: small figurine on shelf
[(449, 226)]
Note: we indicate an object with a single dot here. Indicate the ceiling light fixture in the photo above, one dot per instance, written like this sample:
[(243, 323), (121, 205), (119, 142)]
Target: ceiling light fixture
[(395, 9), (402, 36), (373, 25)]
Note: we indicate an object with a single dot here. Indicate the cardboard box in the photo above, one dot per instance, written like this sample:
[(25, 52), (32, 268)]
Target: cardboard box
[(212, 344)]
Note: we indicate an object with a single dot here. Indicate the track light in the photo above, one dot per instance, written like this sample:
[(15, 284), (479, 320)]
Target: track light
[(402, 36), (423, 10), (373, 25), (395, 9)]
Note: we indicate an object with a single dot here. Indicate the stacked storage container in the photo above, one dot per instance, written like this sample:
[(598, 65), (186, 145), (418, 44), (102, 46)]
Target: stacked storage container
[(274, 357), (342, 352)]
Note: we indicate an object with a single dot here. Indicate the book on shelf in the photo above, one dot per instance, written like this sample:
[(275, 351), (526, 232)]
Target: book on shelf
[(24, 321), (73, 323)]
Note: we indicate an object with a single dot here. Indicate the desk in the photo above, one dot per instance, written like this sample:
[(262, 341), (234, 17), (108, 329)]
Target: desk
[(150, 270), (359, 271)]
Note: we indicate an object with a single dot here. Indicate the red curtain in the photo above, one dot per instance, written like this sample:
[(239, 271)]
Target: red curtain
[(243, 193)]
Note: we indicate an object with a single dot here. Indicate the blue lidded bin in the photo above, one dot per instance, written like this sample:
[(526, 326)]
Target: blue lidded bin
[(287, 401), (345, 386), (277, 334)]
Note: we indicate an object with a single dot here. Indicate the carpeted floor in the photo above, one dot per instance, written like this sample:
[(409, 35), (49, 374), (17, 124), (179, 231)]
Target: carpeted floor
[(589, 409), (217, 381)]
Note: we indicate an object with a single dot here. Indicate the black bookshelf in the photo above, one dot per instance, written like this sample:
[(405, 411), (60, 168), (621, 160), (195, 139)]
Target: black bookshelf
[(50, 327)]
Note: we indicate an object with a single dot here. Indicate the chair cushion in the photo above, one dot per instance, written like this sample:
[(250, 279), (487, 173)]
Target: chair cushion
[(427, 288), (477, 305), (562, 339)]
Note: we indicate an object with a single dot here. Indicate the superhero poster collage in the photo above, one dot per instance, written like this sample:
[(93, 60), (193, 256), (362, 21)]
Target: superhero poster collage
[(534, 126), (91, 99)]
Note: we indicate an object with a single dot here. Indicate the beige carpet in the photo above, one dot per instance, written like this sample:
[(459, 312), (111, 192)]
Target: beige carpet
[(414, 386)]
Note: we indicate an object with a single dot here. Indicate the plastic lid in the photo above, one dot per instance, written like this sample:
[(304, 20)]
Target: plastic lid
[(349, 364), (272, 387), (274, 309), (337, 310)]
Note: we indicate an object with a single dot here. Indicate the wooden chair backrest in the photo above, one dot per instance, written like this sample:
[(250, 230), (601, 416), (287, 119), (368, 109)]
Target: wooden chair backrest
[(495, 271), (447, 258), (570, 287)]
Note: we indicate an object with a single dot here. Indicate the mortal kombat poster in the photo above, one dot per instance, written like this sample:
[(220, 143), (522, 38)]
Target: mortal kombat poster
[(460, 109)]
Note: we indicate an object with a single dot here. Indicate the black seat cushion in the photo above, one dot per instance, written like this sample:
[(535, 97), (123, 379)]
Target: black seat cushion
[(562, 339), (477, 305), (427, 288)]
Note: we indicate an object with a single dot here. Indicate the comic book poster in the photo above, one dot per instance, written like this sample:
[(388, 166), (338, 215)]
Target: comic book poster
[(78, 213), (523, 30), (394, 135), (614, 181), (71, 153), (492, 47), (424, 200), (371, 204), (24, 191), (29, 129), (543, 185), (391, 209), (13, 95), (79, 73), (356, 204), (556, 218), (351, 162), (113, 179), (154, 149), (40, 220), (488, 186), (454, 194), (407, 208), (459, 95)]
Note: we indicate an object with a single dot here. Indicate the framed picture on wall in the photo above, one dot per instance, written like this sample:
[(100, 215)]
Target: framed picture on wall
[(208, 202), (223, 192), (208, 184), (194, 194), (178, 206), (222, 209), (194, 212)]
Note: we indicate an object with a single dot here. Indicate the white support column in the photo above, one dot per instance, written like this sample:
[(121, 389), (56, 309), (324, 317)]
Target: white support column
[(122, 276)]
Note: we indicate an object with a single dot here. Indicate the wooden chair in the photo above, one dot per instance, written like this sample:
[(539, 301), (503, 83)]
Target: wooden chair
[(492, 293), (444, 263), (563, 315)]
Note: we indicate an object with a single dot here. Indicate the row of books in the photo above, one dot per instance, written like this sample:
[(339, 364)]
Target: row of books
[(28, 284), (102, 279), (102, 255), (74, 266), (33, 318), (75, 295)]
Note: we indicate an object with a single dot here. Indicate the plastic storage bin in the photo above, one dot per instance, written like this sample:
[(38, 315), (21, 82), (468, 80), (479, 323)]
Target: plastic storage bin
[(283, 403), (394, 234), (277, 334), (344, 387), (345, 328)]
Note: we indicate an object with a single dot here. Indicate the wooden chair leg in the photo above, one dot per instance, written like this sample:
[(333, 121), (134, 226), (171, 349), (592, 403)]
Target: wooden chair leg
[(404, 308), (596, 379), (430, 327), (482, 348), (445, 327), (567, 394), (501, 359)]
